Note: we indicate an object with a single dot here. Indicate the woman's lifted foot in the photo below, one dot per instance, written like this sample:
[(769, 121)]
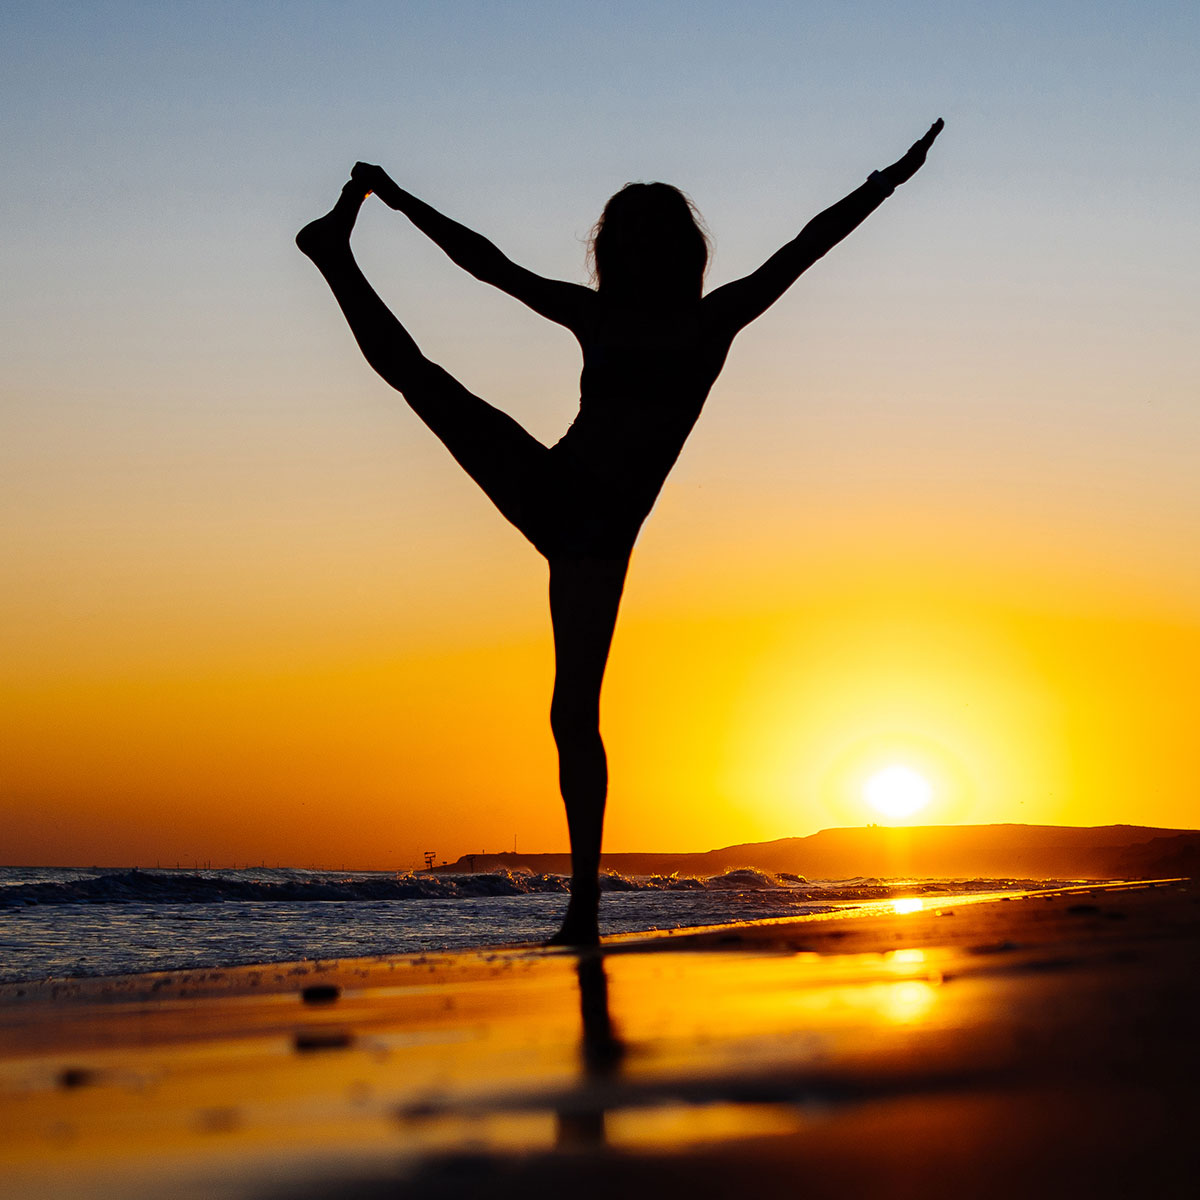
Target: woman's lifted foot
[(331, 232)]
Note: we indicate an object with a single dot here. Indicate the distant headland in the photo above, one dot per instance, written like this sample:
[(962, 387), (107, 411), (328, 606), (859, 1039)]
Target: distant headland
[(939, 851)]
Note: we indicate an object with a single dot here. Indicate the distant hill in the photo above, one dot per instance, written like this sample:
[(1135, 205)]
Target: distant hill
[(1000, 851), (1160, 858)]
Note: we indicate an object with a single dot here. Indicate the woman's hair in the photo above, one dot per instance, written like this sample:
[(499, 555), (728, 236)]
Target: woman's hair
[(649, 239)]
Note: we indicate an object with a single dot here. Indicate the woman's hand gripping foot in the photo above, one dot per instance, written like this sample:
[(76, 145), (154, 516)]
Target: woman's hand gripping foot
[(331, 233)]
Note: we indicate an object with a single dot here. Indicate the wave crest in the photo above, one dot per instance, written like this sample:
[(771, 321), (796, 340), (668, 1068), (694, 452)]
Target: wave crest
[(278, 885)]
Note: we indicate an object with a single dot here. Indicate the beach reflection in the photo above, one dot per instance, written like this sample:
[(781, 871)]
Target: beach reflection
[(600, 1052), (761, 1010), (507, 1053), (908, 1002)]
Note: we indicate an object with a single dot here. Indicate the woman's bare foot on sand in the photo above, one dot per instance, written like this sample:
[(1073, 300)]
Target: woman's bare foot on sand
[(331, 233), (581, 925)]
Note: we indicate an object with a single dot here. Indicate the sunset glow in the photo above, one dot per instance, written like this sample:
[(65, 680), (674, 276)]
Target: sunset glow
[(935, 528), (897, 792)]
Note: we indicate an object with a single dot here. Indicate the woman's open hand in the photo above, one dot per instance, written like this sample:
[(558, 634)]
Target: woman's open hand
[(903, 170)]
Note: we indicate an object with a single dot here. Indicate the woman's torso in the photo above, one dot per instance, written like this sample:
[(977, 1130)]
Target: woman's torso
[(647, 371)]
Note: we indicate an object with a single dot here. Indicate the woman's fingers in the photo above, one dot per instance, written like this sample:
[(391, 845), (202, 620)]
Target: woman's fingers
[(367, 174), (921, 147)]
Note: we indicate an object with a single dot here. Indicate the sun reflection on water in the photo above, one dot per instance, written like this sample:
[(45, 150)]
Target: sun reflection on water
[(909, 1001)]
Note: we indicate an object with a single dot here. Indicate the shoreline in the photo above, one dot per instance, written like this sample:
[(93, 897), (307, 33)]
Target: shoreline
[(118, 925), (851, 1051), (68, 937)]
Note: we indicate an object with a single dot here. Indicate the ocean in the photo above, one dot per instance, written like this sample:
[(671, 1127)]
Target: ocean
[(60, 922)]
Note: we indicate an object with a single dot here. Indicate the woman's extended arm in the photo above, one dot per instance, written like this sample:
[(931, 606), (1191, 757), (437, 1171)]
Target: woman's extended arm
[(564, 303), (737, 304)]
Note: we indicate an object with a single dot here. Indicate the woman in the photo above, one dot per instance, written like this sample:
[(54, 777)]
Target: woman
[(652, 349)]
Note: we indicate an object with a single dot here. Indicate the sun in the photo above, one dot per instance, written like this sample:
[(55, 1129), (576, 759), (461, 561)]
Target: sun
[(897, 791)]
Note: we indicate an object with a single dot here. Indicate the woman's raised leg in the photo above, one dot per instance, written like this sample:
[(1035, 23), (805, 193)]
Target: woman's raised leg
[(493, 448), (585, 595)]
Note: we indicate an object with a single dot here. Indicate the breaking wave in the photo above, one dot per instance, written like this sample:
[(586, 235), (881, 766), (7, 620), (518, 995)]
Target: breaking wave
[(276, 885)]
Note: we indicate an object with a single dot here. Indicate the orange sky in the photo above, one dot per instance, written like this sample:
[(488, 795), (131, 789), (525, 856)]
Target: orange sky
[(941, 509), (741, 705)]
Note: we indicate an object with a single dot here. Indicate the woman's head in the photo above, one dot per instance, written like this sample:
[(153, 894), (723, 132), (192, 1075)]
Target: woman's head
[(649, 239)]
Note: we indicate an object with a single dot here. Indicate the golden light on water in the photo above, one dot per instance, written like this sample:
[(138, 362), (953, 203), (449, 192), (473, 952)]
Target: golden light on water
[(897, 791), (907, 1002)]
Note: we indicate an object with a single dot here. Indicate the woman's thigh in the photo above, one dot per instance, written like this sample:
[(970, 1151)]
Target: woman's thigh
[(585, 596), (511, 466)]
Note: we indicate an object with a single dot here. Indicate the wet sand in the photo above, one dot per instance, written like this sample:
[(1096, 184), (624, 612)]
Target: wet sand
[(1043, 1045)]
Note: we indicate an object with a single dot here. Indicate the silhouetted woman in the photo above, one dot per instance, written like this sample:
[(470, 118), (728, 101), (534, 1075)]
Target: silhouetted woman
[(652, 348)]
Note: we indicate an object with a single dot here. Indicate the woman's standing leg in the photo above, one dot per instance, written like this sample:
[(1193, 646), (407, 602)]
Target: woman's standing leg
[(585, 595)]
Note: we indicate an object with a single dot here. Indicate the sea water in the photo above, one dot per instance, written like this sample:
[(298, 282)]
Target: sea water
[(57, 922)]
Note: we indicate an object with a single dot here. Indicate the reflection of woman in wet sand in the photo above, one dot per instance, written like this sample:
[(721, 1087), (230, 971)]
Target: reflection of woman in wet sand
[(652, 349)]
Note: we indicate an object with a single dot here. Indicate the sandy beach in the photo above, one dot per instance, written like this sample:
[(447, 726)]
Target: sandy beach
[(1042, 1045)]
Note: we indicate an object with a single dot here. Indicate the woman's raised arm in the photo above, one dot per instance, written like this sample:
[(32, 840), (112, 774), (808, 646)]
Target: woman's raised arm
[(738, 303), (564, 303)]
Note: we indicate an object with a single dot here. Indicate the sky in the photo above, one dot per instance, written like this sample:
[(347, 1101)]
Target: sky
[(940, 510)]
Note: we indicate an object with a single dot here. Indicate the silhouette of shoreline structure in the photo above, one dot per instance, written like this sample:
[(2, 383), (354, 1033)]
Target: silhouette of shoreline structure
[(653, 345)]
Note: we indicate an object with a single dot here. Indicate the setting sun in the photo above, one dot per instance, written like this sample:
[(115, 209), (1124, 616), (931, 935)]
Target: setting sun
[(897, 791)]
